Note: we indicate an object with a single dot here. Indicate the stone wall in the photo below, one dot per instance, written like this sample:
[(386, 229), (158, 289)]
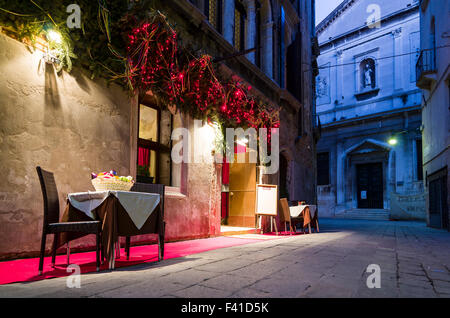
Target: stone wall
[(408, 207), (67, 124), (72, 126)]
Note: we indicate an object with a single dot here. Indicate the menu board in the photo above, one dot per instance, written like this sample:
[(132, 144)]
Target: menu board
[(266, 199)]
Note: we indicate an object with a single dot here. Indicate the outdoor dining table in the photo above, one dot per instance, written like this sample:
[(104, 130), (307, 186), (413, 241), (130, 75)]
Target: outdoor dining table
[(307, 212), (122, 213)]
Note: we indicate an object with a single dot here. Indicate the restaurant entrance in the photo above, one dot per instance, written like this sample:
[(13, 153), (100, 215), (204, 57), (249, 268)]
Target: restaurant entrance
[(242, 192)]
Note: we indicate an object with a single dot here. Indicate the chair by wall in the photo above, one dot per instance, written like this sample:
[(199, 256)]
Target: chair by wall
[(158, 189), (51, 224), (285, 216)]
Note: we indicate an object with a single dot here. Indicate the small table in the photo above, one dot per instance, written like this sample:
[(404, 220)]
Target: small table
[(304, 211), (122, 213)]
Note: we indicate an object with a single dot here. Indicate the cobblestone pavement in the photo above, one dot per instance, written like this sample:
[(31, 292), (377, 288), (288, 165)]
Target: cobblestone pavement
[(414, 261)]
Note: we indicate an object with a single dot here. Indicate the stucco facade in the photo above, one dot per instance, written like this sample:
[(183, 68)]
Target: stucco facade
[(72, 125), (369, 109), (433, 77)]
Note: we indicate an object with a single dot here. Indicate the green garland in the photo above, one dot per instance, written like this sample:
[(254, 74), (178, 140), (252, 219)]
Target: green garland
[(90, 47), (100, 46)]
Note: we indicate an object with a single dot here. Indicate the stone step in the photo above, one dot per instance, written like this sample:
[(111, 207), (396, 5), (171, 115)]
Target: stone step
[(364, 214), (232, 230)]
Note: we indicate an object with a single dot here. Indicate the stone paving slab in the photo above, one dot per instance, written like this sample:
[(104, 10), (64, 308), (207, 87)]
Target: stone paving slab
[(414, 262)]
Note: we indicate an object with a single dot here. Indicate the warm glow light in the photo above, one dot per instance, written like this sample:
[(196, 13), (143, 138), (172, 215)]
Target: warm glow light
[(242, 142), (54, 36), (392, 141)]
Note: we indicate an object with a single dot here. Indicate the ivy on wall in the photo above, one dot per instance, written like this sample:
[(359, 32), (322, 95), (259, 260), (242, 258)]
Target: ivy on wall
[(134, 45)]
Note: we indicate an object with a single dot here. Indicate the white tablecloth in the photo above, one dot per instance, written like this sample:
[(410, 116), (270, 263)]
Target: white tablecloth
[(297, 210), (139, 205)]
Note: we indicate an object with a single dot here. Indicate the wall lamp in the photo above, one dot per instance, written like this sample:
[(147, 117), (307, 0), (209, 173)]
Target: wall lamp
[(393, 140), (52, 38)]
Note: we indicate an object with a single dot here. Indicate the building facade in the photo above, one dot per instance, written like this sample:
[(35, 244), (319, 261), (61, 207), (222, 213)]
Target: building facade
[(433, 77), (369, 155), (72, 125)]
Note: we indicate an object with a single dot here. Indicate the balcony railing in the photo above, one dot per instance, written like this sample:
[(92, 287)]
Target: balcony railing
[(426, 63)]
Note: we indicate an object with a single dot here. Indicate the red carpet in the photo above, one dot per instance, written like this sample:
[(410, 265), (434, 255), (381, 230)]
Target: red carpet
[(26, 270)]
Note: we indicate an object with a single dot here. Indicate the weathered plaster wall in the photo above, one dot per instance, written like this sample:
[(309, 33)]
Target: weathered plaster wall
[(67, 124), (436, 100), (73, 126)]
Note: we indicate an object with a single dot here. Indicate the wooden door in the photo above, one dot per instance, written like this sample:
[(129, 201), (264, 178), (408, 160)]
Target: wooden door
[(242, 193), (370, 185), (437, 202)]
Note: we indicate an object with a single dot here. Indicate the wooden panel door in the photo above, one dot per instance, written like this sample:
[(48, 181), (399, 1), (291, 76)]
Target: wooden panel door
[(242, 193), (438, 206), (370, 185)]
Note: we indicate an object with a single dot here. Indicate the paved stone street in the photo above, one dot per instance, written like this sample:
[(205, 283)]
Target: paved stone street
[(414, 262)]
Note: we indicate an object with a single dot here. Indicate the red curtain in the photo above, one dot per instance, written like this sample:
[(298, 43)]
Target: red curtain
[(143, 156), (225, 202)]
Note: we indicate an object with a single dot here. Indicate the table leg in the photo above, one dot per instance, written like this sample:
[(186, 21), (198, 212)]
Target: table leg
[(112, 259), (68, 254), (159, 249), (118, 248)]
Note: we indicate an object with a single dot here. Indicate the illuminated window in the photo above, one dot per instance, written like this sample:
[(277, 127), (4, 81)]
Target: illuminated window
[(239, 26), (258, 55), (154, 144), (213, 11)]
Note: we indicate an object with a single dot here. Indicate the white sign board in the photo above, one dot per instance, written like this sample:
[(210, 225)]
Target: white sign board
[(266, 199)]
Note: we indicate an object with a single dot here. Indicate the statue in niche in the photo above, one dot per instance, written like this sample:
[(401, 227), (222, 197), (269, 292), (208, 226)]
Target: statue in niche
[(368, 74)]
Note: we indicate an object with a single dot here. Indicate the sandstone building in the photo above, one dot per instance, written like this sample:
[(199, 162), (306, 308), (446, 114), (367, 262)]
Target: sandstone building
[(72, 125)]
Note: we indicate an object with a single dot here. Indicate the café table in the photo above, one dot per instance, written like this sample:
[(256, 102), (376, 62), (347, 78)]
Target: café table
[(122, 213), (304, 212)]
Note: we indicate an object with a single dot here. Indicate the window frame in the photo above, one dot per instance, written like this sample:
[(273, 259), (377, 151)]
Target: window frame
[(217, 22), (155, 146), (240, 8), (258, 26)]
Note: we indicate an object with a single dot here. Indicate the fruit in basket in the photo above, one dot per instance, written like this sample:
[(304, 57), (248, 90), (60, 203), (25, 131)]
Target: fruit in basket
[(110, 181), (112, 175)]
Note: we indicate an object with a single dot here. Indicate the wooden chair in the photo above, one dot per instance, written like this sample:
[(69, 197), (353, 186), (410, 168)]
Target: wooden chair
[(52, 225), (285, 216), (151, 188), (315, 220)]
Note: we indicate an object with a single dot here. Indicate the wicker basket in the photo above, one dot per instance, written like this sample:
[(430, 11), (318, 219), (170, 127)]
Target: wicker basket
[(111, 184)]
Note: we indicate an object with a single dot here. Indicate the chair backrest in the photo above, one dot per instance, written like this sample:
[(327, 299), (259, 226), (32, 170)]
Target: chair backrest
[(285, 215), (50, 196), (151, 188)]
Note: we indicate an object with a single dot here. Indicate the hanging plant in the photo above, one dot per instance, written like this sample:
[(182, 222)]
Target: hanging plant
[(134, 45), (151, 59), (202, 92)]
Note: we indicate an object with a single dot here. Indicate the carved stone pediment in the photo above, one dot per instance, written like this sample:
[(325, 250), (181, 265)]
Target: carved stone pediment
[(368, 147)]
